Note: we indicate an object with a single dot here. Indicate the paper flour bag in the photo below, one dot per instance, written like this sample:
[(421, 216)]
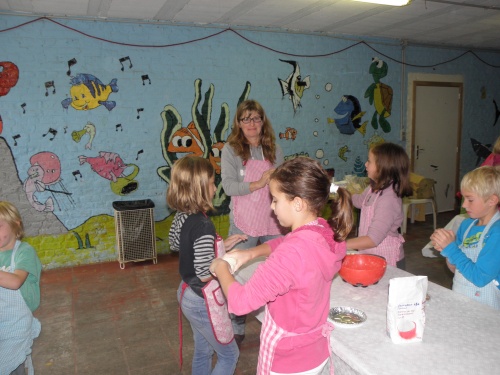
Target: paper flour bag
[(406, 309)]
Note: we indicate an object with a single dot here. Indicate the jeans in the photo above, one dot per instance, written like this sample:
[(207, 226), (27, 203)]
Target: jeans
[(238, 321), (205, 344)]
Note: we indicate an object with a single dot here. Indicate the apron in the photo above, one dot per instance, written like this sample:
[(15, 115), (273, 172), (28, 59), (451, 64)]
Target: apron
[(271, 334), (18, 327), (390, 247), (252, 213), (489, 294)]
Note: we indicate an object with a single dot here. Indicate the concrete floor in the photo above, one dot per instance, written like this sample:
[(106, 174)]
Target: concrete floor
[(102, 320)]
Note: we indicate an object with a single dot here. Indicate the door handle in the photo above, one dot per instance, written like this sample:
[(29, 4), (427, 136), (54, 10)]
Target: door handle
[(418, 150)]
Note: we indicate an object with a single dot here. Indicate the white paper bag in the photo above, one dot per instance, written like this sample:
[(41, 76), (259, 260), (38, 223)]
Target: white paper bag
[(406, 309)]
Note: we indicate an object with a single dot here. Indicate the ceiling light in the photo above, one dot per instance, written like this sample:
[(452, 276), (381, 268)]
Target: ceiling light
[(396, 3)]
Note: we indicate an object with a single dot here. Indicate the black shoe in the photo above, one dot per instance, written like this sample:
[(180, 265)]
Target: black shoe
[(239, 340)]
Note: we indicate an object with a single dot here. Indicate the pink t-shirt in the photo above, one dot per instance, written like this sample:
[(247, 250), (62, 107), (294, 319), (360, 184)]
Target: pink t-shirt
[(295, 283)]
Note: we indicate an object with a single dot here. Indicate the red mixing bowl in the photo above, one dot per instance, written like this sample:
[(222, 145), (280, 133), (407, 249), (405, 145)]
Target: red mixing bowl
[(362, 269)]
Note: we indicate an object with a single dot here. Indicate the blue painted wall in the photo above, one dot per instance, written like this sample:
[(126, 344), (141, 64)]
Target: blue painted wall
[(173, 58)]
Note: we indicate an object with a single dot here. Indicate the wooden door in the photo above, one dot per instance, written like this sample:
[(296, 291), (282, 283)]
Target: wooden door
[(436, 135)]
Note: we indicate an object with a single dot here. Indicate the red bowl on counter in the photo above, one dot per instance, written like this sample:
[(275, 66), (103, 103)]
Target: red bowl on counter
[(362, 269)]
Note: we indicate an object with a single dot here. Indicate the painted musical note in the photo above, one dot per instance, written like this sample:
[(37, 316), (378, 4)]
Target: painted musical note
[(70, 64), (145, 77), (138, 153), (77, 173), (118, 126), (49, 84), (23, 106), (123, 59), (51, 131), (16, 137), (138, 112)]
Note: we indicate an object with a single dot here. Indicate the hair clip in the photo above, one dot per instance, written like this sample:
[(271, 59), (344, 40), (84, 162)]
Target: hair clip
[(334, 188)]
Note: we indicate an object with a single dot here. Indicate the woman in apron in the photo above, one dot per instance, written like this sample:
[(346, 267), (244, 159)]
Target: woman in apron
[(474, 252), (381, 204), (248, 159)]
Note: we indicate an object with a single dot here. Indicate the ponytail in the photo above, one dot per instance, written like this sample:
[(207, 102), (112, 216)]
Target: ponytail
[(341, 219)]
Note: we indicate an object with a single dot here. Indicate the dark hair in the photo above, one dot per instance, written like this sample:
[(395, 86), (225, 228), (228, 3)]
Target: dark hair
[(393, 169), (189, 185), (304, 177), (237, 139)]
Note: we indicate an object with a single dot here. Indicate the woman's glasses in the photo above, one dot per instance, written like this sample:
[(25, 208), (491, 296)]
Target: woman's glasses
[(247, 120)]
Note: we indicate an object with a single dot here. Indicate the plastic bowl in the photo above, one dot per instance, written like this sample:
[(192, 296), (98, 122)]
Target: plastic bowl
[(362, 269)]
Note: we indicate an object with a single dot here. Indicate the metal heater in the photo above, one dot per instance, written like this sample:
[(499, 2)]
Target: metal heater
[(135, 231)]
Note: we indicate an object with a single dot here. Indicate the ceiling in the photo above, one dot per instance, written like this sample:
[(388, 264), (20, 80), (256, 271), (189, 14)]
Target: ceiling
[(471, 24)]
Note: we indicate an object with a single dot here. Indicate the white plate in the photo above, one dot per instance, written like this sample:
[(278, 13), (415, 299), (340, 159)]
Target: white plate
[(346, 317)]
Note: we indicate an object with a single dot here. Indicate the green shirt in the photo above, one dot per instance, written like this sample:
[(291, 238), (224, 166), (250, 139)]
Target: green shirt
[(26, 260)]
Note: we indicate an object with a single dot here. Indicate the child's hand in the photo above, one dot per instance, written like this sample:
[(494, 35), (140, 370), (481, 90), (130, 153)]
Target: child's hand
[(233, 240), (442, 238), (237, 258), (217, 265)]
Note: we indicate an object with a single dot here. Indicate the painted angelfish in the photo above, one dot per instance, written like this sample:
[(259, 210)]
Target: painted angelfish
[(88, 92), (294, 85)]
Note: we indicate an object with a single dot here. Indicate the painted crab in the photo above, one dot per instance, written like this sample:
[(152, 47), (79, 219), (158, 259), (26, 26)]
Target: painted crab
[(380, 95)]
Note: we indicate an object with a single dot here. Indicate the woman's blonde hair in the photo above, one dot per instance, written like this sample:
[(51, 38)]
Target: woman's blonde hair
[(10, 214), (483, 181), (237, 138), (189, 185)]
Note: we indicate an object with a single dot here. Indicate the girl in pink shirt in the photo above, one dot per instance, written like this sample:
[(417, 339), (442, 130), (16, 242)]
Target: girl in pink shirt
[(294, 282), (388, 168)]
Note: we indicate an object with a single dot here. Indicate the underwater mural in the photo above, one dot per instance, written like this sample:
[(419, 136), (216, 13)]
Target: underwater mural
[(88, 92), (380, 95), (110, 165), (196, 139), (89, 129), (294, 86), (9, 75), (350, 110), (44, 175)]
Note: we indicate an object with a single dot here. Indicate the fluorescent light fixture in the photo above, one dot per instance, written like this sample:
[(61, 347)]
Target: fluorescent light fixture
[(396, 3)]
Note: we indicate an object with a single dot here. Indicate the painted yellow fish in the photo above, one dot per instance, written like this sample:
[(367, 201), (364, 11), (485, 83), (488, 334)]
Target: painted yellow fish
[(88, 92)]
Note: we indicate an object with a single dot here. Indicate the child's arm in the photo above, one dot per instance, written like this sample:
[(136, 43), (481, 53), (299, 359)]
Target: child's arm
[(360, 243), (387, 214), (220, 267), (14, 280), (487, 266)]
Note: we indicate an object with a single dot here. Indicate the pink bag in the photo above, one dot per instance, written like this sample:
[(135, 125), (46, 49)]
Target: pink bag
[(217, 312)]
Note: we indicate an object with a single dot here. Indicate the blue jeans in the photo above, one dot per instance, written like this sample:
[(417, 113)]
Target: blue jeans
[(205, 344), (239, 321)]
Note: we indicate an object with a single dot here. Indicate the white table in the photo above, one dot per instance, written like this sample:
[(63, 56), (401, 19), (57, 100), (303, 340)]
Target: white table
[(461, 336)]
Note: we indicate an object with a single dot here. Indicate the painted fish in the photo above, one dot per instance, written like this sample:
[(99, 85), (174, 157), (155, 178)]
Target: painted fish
[(482, 151), (294, 85), (187, 141), (88, 92), (290, 133), (108, 165), (342, 152)]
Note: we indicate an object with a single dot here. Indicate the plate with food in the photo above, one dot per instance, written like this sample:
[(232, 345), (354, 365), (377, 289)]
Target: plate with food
[(345, 316)]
